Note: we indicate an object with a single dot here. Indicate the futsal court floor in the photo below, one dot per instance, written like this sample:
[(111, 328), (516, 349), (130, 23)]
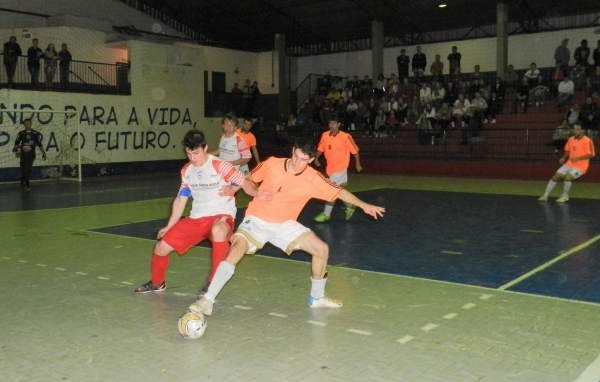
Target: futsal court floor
[(462, 280)]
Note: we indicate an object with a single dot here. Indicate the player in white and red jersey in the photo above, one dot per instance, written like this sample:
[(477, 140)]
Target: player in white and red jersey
[(212, 215), (232, 147)]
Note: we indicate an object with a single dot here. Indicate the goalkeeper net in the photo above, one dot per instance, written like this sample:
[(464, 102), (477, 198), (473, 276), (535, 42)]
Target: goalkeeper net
[(61, 139)]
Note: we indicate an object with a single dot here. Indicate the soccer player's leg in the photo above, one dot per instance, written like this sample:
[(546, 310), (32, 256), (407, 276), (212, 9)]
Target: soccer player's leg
[(158, 268), (220, 233), (567, 182), (557, 177)]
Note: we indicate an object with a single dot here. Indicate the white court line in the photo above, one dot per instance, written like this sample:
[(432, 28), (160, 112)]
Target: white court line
[(429, 327), (242, 307), (81, 273), (60, 269), (362, 332), (126, 283), (7, 258), (318, 323), (103, 278), (41, 265), (405, 339), (22, 261), (278, 315), (450, 316), (591, 373), (180, 294), (549, 263), (469, 305), (485, 296)]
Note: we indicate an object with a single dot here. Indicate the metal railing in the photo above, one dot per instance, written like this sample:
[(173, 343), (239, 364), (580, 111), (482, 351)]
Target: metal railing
[(79, 77), (522, 145)]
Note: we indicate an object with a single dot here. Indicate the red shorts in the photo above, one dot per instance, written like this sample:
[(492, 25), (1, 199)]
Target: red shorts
[(188, 232)]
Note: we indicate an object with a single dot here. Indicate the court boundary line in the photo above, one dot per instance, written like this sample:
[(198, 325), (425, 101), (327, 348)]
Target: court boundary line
[(591, 373), (549, 263)]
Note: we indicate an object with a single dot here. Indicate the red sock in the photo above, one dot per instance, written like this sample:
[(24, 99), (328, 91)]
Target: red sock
[(219, 253), (159, 268)]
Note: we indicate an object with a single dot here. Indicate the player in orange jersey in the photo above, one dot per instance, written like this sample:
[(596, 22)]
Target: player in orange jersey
[(337, 147), (250, 139), (575, 162), (291, 183)]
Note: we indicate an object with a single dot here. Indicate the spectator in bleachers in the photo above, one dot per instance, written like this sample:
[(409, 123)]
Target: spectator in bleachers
[(380, 85), (366, 88), (392, 124), (456, 77), (511, 78), (373, 107), (347, 94), (463, 88), (394, 104), (443, 117), (582, 55), (333, 96), (341, 110), (437, 95), (538, 92), (436, 68), (425, 129), (500, 90), (521, 97), (406, 89), (419, 78), (451, 93), (254, 93), (12, 51), (454, 60), (459, 112), (566, 91), (473, 88), (50, 64), (302, 122), (425, 94), (379, 125), (596, 56), (402, 111), (65, 65), (338, 84), (34, 53), (393, 85), (573, 116), (532, 73), (480, 108), (351, 110), (562, 55), (430, 113), (419, 62), (461, 99), (326, 109), (589, 117), (578, 76), (402, 61), (560, 136), (354, 86), (593, 83), (556, 77), (494, 107), (291, 122), (414, 109), (384, 105), (476, 75)]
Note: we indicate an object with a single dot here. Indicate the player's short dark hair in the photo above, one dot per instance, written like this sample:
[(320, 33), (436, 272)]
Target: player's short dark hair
[(194, 139), (248, 119), (334, 117), (307, 146), (230, 117), (27, 119)]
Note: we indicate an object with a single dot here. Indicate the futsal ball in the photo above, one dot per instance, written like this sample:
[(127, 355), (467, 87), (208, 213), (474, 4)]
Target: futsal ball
[(26, 149), (192, 325)]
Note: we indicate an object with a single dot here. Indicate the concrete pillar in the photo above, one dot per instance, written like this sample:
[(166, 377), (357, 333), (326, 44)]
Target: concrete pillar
[(377, 52), (501, 38), (282, 74)]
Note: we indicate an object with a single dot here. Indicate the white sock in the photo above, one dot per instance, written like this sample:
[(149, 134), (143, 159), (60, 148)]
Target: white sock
[(317, 289), (549, 188), (328, 208), (566, 188), (224, 272)]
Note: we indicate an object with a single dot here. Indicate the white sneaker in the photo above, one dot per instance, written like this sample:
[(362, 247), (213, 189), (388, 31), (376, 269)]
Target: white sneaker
[(203, 305), (562, 199), (324, 302), (485, 121), (543, 199), (493, 121)]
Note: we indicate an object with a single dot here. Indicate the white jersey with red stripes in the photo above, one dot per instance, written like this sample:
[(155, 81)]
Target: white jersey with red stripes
[(233, 148), (203, 184)]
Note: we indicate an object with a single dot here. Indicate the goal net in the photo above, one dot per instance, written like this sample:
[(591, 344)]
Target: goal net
[(61, 138)]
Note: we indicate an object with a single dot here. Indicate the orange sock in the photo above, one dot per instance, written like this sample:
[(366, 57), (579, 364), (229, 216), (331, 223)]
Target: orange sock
[(159, 268), (219, 252)]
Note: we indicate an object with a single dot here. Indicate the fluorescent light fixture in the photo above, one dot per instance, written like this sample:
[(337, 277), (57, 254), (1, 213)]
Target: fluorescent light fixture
[(442, 5)]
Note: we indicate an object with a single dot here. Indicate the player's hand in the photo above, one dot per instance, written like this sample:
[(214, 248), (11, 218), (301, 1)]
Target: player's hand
[(358, 168), (44, 156), (161, 232), (374, 211), (561, 161), (264, 195), (228, 191), (574, 160), (317, 163)]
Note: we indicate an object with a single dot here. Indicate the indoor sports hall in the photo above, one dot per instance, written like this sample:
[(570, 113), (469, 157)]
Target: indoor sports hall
[(462, 111)]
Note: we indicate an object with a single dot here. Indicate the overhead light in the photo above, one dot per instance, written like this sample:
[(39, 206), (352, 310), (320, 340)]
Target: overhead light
[(442, 5)]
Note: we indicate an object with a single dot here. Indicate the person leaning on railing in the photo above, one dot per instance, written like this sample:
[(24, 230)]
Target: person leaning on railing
[(65, 64), (50, 64), (12, 51)]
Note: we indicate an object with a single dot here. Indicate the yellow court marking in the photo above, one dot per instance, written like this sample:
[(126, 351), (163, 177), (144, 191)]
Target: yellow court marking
[(458, 241), (549, 263), (531, 231), (452, 253)]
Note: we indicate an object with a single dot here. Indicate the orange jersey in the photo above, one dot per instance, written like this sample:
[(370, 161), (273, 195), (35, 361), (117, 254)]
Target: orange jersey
[(578, 148), (290, 192), (337, 150), (248, 137)]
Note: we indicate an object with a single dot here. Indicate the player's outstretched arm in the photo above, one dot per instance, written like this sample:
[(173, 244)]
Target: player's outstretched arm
[(176, 213), (317, 156), (369, 209), (357, 160)]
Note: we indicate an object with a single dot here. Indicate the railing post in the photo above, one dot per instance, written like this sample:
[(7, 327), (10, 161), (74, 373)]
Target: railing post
[(527, 140)]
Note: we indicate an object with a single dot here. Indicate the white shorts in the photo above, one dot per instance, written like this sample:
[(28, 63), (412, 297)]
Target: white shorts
[(285, 236), (339, 177), (244, 169), (564, 170)]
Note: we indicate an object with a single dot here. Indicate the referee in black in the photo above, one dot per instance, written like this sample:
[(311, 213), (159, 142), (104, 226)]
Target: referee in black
[(27, 141)]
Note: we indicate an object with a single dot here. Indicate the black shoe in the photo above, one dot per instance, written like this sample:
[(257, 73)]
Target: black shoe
[(149, 287), (204, 290)]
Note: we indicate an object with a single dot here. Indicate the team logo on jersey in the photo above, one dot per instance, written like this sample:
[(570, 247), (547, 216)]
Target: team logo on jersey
[(329, 147), (200, 175)]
